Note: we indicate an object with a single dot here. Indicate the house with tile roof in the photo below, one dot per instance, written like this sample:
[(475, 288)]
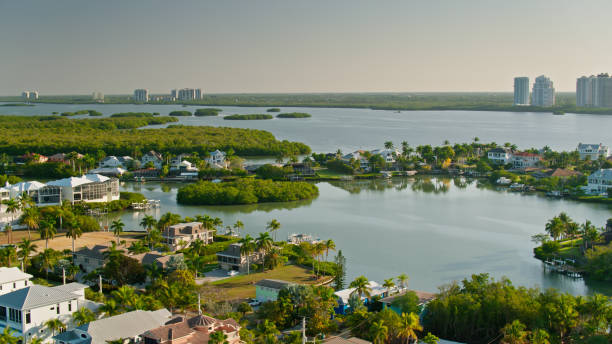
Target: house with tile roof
[(389, 301), (12, 279), (181, 235), (89, 259), (26, 310), (194, 330), (127, 326)]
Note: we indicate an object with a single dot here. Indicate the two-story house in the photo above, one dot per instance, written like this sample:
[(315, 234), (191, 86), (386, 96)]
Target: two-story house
[(12, 279), (153, 157), (181, 235), (217, 159), (389, 155), (232, 259), (522, 160), (26, 310), (599, 182), (593, 151), (89, 259), (112, 161), (501, 156)]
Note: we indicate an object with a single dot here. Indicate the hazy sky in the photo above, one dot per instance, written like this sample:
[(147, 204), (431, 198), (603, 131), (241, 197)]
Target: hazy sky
[(114, 46)]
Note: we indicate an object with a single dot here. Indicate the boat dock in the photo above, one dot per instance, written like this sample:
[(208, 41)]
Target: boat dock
[(562, 267), (147, 204)]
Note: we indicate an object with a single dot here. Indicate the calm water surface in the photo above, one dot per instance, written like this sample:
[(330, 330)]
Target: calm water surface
[(435, 230), (348, 129)]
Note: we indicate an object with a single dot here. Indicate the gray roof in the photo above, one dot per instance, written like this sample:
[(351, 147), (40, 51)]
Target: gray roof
[(71, 287), (12, 274), (273, 283), (124, 325), (35, 296), (605, 173), (351, 340), (96, 252)]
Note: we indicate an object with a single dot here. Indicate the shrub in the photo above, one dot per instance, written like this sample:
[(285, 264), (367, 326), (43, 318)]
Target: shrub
[(207, 112), (293, 115), (179, 113), (248, 117)]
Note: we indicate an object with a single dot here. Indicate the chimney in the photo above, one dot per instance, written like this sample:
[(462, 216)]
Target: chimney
[(171, 335)]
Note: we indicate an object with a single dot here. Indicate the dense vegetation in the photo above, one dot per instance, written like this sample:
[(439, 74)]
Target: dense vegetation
[(135, 114), (180, 113), (273, 110), (207, 112), (76, 113), (481, 310), (248, 117), (293, 115), (121, 136), (245, 191)]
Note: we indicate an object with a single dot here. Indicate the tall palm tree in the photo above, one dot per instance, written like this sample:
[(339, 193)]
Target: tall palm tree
[(8, 230), (148, 222), (402, 280), (388, 144), (125, 296), (26, 248), (539, 336), (409, 326), (319, 248), (514, 333), (109, 308), (217, 222), (329, 245), (554, 227), (379, 332), (247, 247), (30, 218), (117, 228), (48, 258), (74, 231), (47, 231), (54, 325), (25, 201), (12, 207), (83, 316), (389, 284), (35, 340), (273, 226), (362, 287), (238, 226), (8, 255), (264, 243)]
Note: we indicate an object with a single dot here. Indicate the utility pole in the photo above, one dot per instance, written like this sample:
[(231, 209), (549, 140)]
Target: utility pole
[(100, 283), (199, 305), (303, 330), (64, 274)]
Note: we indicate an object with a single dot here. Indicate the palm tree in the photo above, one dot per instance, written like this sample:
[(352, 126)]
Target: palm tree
[(8, 254), (74, 231), (555, 228), (109, 308), (30, 218), (273, 226), (409, 325), (54, 325), (318, 249), (379, 332), (247, 247), (47, 231), (264, 243), (217, 337), (388, 145), (329, 245), (12, 206), (539, 336), (8, 230), (26, 248), (48, 258), (154, 237), (117, 227), (25, 201), (389, 284), (514, 333), (35, 340), (6, 337), (83, 316), (148, 222), (238, 226), (589, 233), (125, 296), (267, 331), (402, 280), (362, 287)]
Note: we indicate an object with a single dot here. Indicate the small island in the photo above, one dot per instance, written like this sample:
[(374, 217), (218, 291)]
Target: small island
[(245, 191), (251, 117), (293, 115), (134, 114), (207, 112), (183, 113), (273, 110)]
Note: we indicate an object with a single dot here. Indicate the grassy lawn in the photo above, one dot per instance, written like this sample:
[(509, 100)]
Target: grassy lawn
[(325, 173), (243, 286), (570, 248)]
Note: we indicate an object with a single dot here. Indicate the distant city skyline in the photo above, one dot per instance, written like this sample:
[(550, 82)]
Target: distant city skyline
[(274, 46)]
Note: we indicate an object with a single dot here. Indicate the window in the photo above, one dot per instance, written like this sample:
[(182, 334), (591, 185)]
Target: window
[(14, 284), (2, 313), (15, 315), (28, 317), (57, 309), (69, 306)]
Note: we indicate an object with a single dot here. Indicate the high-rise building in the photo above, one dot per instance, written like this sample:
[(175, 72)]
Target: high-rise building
[(29, 95), (198, 93), (594, 91), (174, 94), (97, 97), (543, 92), (521, 90), (141, 95)]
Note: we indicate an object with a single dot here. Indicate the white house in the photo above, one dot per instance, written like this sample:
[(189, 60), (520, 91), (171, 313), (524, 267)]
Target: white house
[(217, 159), (40, 193), (343, 296), (499, 155), (388, 155), (525, 160), (599, 182), (593, 151), (153, 157), (181, 235), (27, 309), (113, 161), (88, 188), (12, 279), (125, 326), (364, 164)]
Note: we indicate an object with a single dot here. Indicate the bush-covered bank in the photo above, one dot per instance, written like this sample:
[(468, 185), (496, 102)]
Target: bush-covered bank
[(293, 115), (125, 200), (52, 134), (245, 191), (207, 112), (248, 117), (180, 113), (135, 114)]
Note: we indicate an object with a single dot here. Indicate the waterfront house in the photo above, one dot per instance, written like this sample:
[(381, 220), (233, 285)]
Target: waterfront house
[(126, 326), (108, 171), (27, 309), (499, 155), (343, 296), (599, 182), (152, 157), (424, 298), (12, 279), (113, 161), (389, 155), (90, 259), (523, 160), (296, 239), (358, 156), (63, 157), (181, 235), (593, 151), (302, 169), (194, 330), (558, 173), (217, 159), (88, 188), (268, 289), (231, 259)]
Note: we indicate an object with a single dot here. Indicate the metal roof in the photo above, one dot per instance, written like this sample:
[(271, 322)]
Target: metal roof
[(126, 325), (12, 274), (35, 296)]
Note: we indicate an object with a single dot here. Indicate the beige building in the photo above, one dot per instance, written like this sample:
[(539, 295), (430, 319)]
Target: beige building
[(181, 235)]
